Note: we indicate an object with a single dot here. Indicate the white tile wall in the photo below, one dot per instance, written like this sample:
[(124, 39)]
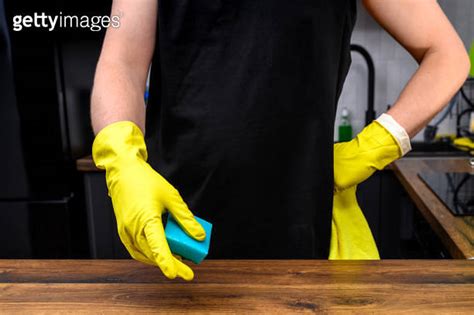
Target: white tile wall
[(393, 65)]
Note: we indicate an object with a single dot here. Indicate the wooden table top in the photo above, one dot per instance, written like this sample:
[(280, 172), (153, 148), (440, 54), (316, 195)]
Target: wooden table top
[(86, 164), (258, 286), (456, 232)]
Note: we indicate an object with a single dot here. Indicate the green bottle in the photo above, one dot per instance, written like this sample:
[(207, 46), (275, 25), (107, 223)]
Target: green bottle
[(345, 128)]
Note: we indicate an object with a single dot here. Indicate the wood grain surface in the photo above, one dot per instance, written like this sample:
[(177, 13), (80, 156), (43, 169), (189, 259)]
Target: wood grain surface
[(456, 233), (236, 286), (86, 164)]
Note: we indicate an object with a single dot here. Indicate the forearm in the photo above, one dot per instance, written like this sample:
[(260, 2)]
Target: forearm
[(439, 77), (117, 95), (423, 29), (125, 59)]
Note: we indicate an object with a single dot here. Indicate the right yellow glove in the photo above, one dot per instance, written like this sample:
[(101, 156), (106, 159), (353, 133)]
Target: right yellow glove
[(140, 196)]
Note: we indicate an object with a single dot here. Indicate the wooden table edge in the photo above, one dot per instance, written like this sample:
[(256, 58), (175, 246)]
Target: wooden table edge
[(453, 247)]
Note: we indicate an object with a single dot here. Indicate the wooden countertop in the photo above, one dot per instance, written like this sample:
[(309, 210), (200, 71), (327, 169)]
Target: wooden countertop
[(281, 286), (86, 164), (456, 233)]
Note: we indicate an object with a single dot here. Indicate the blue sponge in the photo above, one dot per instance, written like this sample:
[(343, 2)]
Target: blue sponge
[(182, 244)]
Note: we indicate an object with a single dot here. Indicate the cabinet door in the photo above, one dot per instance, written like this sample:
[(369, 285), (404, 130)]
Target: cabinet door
[(104, 242), (14, 230), (368, 197)]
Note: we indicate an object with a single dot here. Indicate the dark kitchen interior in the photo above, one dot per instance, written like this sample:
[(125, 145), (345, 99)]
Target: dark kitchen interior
[(50, 208), (54, 202)]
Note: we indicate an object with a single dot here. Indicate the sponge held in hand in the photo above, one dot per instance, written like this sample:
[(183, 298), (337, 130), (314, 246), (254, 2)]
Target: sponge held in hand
[(182, 244)]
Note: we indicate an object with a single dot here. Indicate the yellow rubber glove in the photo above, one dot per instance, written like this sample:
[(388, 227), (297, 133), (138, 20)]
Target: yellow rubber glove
[(351, 237), (140, 196), (356, 160)]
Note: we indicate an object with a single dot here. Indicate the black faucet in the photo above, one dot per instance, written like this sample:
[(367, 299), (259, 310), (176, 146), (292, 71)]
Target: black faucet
[(370, 112)]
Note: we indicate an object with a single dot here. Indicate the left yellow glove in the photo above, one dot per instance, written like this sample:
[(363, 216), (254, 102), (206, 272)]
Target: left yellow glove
[(351, 237), (379, 144), (355, 161), (140, 196)]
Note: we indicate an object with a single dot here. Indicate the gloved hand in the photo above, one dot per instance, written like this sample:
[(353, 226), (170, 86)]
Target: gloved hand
[(380, 143), (140, 196), (351, 237), (373, 149)]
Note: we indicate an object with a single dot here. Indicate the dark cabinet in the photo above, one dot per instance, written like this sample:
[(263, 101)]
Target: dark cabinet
[(104, 241), (399, 229)]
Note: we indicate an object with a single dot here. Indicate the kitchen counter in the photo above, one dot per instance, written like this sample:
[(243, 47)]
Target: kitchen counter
[(456, 232), (127, 286), (86, 164)]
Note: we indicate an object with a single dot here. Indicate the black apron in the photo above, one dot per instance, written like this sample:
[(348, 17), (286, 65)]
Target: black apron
[(240, 118)]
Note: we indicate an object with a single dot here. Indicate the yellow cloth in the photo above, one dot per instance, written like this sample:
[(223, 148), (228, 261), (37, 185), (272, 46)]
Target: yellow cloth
[(464, 144), (140, 196), (351, 237), (355, 161)]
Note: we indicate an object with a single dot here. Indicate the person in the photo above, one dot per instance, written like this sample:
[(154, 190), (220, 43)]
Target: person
[(239, 124)]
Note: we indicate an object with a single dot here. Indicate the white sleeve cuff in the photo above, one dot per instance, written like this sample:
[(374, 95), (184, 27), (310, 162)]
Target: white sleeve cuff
[(397, 131)]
